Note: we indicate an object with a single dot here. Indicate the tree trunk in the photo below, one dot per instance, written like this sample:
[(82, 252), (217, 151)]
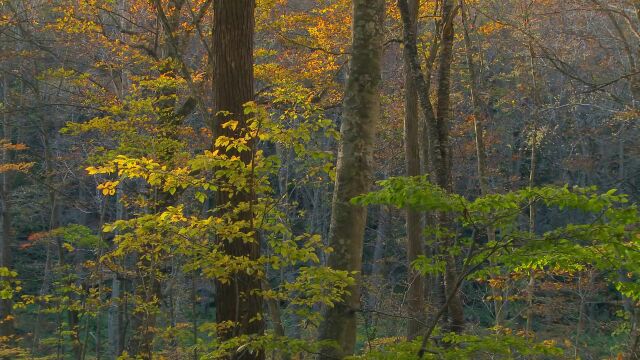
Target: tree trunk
[(115, 316), (428, 140), (273, 307), (443, 157), (377, 286), (116, 310), (479, 118), (354, 173), (532, 177), (234, 22), (377, 267), (440, 156), (415, 291), (6, 236)]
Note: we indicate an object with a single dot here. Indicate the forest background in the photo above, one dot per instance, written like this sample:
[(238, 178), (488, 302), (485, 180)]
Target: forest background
[(292, 179)]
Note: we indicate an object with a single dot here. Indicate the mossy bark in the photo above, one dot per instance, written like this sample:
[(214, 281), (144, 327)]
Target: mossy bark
[(361, 111)]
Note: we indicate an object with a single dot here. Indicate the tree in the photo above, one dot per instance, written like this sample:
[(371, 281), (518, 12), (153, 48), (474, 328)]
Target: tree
[(443, 165), (234, 21), (479, 119), (6, 235), (361, 111), (415, 292), (439, 130), (128, 218)]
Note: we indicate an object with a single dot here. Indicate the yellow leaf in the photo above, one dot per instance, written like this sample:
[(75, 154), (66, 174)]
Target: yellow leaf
[(233, 124)]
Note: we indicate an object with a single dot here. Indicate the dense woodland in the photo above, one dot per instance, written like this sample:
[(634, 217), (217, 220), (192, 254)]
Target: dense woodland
[(319, 179)]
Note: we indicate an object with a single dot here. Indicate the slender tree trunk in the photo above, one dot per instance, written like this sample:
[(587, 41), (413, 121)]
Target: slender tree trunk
[(115, 318), (101, 280), (148, 291), (276, 321), (479, 109), (479, 118), (116, 312), (443, 105), (234, 22), (377, 267), (584, 292), (354, 168), (532, 177), (377, 277), (428, 140), (634, 338), (443, 165), (440, 156), (65, 269), (6, 236), (415, 291)]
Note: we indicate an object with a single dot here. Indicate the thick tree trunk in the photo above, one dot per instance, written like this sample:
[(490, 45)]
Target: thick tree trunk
[(234, 22), (415, 291), (354, 173)]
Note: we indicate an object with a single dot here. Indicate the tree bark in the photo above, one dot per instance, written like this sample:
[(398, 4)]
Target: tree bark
[(238, 300), (354, 168), (443, 158), (6, 235), (415, 291)]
